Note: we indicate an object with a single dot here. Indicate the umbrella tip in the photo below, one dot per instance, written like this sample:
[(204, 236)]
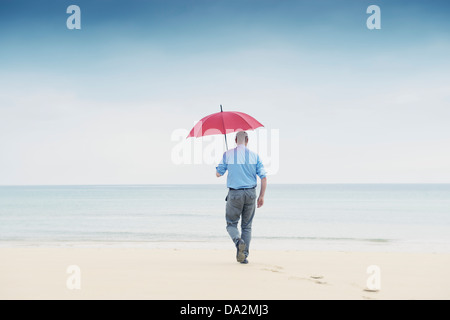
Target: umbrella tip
[(221, 108)]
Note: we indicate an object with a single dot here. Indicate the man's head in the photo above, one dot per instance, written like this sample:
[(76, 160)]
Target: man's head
[(241, 137)]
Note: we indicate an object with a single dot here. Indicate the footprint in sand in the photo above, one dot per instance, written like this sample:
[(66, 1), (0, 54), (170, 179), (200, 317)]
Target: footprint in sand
[(273, 269), (371, 290), (316, 279)]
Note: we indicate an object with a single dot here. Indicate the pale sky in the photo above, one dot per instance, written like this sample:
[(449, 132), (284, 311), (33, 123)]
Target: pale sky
[(100, 105)]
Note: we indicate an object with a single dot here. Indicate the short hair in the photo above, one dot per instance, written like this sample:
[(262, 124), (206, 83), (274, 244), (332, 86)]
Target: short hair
[(241, 136)]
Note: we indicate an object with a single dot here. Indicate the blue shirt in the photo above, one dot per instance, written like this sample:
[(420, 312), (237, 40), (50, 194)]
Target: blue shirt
[(243, 166)]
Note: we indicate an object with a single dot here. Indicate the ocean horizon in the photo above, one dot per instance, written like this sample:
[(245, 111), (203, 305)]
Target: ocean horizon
[(343, 217)]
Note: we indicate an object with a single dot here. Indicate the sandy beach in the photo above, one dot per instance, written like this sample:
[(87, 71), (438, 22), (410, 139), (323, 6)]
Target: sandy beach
[(168, 274)]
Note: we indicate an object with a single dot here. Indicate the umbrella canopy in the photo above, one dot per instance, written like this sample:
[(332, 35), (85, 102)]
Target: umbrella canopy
[(224, 122)]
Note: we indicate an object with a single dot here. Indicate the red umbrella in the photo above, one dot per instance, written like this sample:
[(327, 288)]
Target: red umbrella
[(224, 122)]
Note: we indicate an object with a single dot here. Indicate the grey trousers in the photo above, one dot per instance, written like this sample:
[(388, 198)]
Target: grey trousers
[(241, 204)]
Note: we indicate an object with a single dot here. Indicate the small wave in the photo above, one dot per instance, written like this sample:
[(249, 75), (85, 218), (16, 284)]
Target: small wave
[(376, 240)]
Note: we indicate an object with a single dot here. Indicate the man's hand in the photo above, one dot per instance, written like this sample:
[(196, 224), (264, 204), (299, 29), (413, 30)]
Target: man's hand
[(260, 201), (262, 192), (218, 174)]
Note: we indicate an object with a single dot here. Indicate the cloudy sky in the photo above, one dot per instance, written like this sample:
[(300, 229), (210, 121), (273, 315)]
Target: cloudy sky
[(102, 105)]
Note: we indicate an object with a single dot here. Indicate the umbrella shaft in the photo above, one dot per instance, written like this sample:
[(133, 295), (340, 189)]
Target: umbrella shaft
[(226, 143)]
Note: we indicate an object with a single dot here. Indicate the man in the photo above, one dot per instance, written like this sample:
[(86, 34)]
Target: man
[(243, 166)]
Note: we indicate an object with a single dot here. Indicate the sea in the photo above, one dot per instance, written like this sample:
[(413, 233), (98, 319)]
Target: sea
[(318, 217)]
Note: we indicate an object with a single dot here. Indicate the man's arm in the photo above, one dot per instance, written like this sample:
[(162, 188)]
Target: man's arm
[(222, 167), (262, 192)]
